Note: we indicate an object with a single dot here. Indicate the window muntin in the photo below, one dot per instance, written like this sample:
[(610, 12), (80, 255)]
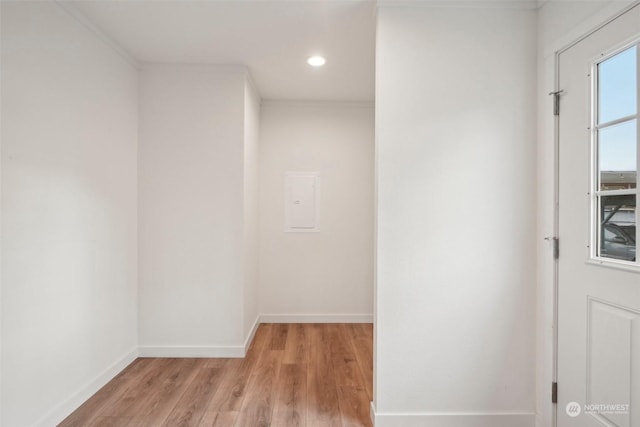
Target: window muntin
[(616, 142)]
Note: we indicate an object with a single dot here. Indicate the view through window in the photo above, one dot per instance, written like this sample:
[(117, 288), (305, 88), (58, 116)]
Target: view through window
[(616, 148)]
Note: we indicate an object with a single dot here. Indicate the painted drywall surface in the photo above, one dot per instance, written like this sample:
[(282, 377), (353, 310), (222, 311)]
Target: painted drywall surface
[(69, 149), (251, 135), (559, 23), (1, 275), (455, 129), (1, 239), (191, 206), (329, 272)]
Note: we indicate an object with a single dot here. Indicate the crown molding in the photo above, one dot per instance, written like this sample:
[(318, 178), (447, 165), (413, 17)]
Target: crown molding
[(252, 83), (82, 19), (315, 103), (220, 68), (460, 4), (213, 67)]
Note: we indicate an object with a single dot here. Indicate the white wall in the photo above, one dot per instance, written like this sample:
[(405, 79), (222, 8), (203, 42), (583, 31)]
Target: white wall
[(1, 239), (69, 149), (1, 234), (455, 129), (192, 198), (326, 275), (251, 153), (559, 23)]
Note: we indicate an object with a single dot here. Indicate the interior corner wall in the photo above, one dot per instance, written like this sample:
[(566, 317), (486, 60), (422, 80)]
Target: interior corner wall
[(250, 233), (326, 275), (559, 23), (455, 144), (191, 200), (69, 213)]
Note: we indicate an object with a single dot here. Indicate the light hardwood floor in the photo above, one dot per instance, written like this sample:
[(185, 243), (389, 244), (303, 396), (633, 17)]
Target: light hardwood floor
[(293, 375)]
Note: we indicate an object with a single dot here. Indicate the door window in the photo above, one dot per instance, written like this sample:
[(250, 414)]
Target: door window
[(616, 145)]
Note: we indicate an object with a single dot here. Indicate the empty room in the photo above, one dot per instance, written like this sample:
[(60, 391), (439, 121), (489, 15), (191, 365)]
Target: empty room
[(346, 213)]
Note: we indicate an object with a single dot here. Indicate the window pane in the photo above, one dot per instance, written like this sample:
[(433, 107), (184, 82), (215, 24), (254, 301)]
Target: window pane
[(617, 88), (618, 227), (617, 156)]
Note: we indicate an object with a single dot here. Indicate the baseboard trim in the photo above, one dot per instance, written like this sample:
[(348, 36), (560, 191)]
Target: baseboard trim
[(241, 350), (229, 351), (62, 411), (316, 318), (490, 419), (252, 333)]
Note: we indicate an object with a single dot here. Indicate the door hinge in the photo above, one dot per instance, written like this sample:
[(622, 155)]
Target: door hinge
[(556, 246), (556, 102), (554, 392)]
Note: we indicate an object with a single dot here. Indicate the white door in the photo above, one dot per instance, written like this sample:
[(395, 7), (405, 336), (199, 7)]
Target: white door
[(598, 273)]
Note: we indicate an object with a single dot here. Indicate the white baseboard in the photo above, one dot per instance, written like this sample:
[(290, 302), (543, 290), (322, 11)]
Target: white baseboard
[(201, 351), (191, 351), (241, 350), (372, 413), (491, 419), (252, 333), (316, 318), (62, 411)]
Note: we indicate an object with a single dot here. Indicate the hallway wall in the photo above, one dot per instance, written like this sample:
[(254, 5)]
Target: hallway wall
[(326, 275), (195, 232), (455, 143), (69, 213)]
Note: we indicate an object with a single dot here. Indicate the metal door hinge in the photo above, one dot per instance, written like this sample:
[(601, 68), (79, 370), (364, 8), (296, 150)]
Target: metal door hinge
[(554, 392), (556, 246), (556, 102)]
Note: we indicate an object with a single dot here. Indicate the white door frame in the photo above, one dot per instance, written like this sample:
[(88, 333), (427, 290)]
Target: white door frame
[(606, 19)]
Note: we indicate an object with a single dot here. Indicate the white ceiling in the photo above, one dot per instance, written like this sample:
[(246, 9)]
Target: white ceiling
[(272, 38)]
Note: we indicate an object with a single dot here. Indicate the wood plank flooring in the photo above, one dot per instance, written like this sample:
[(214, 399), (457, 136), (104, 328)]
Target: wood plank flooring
[(293, 375)]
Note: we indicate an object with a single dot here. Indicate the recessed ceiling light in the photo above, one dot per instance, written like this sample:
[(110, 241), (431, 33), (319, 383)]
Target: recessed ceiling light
[(316, 61)]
